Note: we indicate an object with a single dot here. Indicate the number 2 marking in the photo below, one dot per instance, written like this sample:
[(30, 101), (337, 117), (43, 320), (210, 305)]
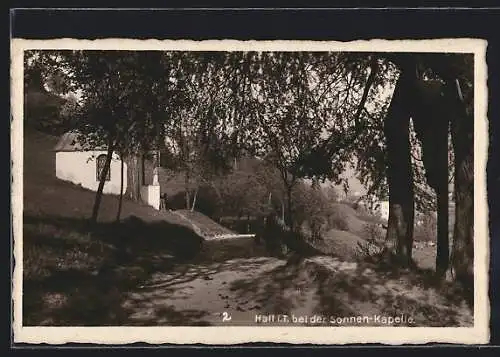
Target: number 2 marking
[(226, 316)]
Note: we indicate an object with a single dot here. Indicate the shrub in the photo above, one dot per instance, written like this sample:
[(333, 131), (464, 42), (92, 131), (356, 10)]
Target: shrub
[(338, 220), (373, 245), (317, 225), (311, 211), (372, 231)]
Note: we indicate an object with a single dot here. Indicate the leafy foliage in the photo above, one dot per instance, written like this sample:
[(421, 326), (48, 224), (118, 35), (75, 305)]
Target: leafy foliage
[(426, 228), (304, 114)]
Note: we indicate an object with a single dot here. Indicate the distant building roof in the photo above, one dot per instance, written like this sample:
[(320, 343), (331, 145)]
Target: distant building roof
[(69, 142)]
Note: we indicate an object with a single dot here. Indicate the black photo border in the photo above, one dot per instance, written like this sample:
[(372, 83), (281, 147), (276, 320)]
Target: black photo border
[(292, 23)]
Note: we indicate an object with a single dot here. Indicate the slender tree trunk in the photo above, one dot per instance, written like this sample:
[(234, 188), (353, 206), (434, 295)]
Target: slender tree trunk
[(102, 181), (443, 240), (283, 210), (120, 202), (399, 237), (443, 243), (431, 121), (143, 170), (463, 238), (289, 213), (187, 188), (140, 175), (131, 164), (194, 199)]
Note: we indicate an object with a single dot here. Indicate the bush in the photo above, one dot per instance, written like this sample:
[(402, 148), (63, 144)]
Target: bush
[(372, 231), (317, 213), (373, 245), (317, 225), (338, 220)]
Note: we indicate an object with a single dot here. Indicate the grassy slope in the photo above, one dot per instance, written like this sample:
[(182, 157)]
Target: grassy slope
[(345, 243), (45, 195), (355, 220), (340, 244)]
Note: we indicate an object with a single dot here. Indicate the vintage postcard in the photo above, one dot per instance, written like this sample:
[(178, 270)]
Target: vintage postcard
[(223, 192)]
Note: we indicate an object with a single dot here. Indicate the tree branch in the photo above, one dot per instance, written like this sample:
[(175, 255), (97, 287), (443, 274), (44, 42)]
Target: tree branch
[(329, 144)]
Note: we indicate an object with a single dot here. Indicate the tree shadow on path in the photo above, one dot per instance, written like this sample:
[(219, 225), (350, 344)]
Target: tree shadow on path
[(335, 289)]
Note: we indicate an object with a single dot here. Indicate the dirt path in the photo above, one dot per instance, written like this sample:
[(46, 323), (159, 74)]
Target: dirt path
[(260, 290), (200, 294)]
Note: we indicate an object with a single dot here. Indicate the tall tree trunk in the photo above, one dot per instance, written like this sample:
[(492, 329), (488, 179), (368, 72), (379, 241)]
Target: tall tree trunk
[(399, 172), (430, 116), (134, 177), (443, 239), (102, 181), (144, 179), (140, 174), (462, 133), (443, 242), (283, 210), (120, 202)]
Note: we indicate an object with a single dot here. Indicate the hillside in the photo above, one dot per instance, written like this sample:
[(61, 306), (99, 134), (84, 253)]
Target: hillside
[(46, 195), (142, 272)]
